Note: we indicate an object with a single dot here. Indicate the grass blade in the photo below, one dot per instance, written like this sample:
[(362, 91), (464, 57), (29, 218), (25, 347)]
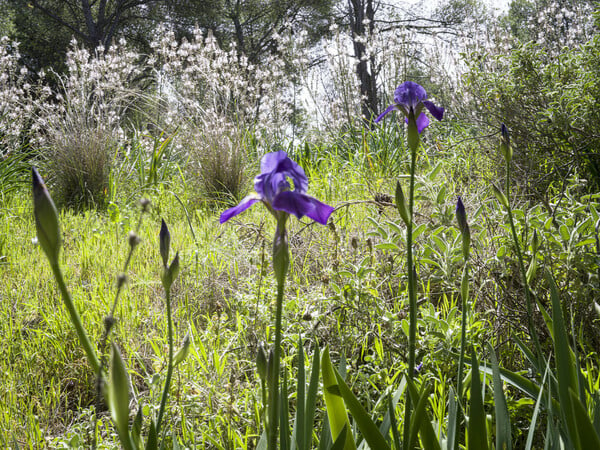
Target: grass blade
[(453, 417), (367, 427), (311, 398), (503, 436), (299, 434), (477, 427), (565, 368), (420, 422), (536, 410), (585, 429)]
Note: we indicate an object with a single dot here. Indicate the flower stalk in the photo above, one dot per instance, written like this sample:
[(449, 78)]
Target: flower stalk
[(169, 274), (48, 233), (410, 98), (281, 187), (506, 150)]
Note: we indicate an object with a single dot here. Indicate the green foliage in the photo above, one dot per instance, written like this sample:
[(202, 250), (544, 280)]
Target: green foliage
[(549, 104)]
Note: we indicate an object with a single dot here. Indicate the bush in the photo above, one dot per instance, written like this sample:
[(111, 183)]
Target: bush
[(549, 102)]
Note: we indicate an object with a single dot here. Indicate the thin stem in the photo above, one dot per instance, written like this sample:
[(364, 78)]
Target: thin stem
[(281, 260), (274, 385), (528, 300), (76, 320), (412, 293), (463, 332), (163, 402)]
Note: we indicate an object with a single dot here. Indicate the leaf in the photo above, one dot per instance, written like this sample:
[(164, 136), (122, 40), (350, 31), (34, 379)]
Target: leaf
[(585, 429), (136, 429), (477, 428), (367, 427), (420, 421), (390, 419), (262, 442), (311, 398), (325, 441), (152, 443), (564, 232), (503, 436), (118, 397), (298, 436), (284, 415), (336, 410), (441, 196), (564, 362), (340, 442), (391, 416), (418, 231), (453, 417), (387, 246), (536, 410)]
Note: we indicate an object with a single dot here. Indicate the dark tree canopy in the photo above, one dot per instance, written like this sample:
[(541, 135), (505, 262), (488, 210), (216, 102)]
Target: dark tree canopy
[(45, 27)]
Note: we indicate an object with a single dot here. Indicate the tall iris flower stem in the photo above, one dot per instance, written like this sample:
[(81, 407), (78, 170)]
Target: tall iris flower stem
[(410, 98), (281, 261), (170, 272), (461, 218), (281, 187), (413, 142), (506, 150)]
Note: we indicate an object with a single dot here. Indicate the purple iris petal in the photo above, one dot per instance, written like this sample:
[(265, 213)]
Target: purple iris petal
[(302, 205), (409, 94), (246, 203), (282, 185), (387, 110), (412, 97), (270, 161), (422, 122), (436, 111)]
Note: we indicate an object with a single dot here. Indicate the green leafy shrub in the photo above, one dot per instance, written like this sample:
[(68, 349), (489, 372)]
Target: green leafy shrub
[(550, 104)]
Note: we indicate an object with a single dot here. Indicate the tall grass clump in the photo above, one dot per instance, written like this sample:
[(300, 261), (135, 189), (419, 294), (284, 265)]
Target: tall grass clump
[(217, 160), (80, 129), (80, 160)]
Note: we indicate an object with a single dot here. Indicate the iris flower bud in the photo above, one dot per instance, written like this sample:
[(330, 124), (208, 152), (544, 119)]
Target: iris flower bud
[(46, 218), (463, 226), (165, 242), (505, 147), (170, 273)]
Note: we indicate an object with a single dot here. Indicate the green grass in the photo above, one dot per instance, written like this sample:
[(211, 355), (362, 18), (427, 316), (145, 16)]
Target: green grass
[(346, 289)]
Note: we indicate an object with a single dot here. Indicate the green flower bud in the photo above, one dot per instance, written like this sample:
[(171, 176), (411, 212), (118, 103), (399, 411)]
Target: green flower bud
[(281, 256), (170, 273), (464, 282), (133, 239), (46, 218), (535, 242), (500, 195), (413, 132), (401, 204), (261, 361), (463, 226), (183, 351)]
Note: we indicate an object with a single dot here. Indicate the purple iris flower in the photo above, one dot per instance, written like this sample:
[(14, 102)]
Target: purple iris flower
[(411, 97), (274, 189)]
